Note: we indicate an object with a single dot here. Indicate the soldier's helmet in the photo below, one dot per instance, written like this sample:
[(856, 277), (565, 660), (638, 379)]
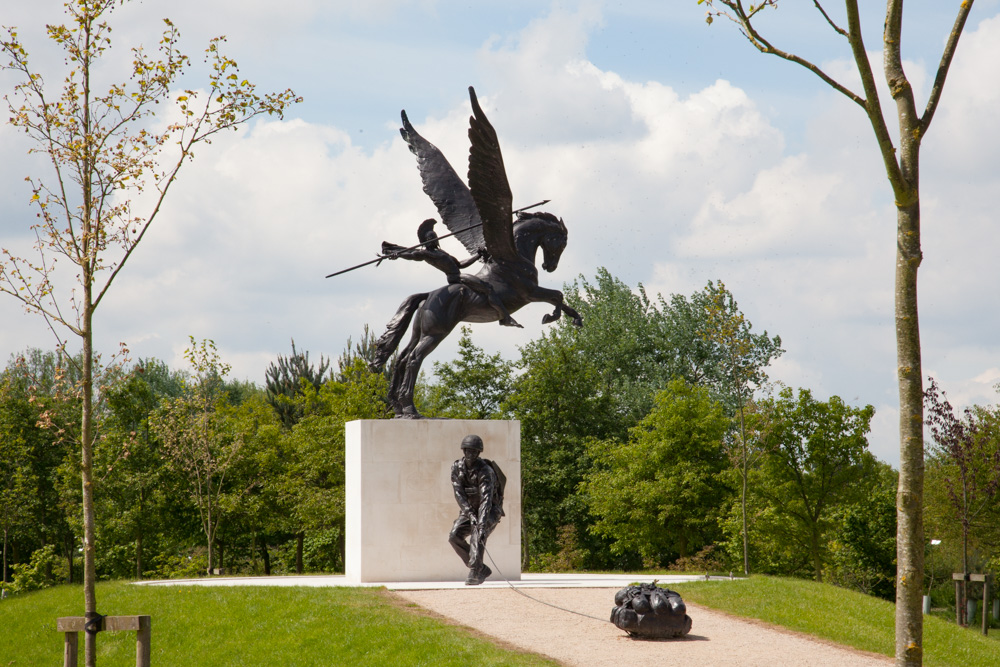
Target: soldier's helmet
[(425, 232), (472, 442)]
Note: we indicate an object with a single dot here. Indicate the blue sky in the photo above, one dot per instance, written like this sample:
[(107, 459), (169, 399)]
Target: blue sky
[(674, 151)]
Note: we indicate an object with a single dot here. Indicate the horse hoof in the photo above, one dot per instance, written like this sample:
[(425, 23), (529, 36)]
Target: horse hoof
[(578, 322), (510, 322), (546, 318)]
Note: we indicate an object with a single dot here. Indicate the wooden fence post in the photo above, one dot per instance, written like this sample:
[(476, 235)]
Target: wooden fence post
[(986, 604), (71, 649), (73, 625)]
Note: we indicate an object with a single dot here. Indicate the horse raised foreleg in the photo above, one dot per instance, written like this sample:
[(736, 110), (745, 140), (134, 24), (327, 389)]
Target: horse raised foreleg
[(555, 297)]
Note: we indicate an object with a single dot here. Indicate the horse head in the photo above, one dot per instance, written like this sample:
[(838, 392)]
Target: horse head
[(540, 230)]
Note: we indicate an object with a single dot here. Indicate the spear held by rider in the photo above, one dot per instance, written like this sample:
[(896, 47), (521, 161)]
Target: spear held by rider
[(378, 260)]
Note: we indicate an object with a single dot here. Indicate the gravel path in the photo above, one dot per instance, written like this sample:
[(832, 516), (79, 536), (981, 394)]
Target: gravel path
[(716, 638)]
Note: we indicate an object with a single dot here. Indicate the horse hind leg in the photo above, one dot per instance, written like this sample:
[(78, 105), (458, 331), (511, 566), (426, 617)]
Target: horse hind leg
[(396, 383), (414, 359)]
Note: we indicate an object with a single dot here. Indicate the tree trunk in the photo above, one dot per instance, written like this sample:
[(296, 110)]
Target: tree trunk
[(817, 559), (138, 556), (342, 564), (298, 552), (266, 557), (87, 442), (138, 532), (910, 492), (743, 506), (70, 546), (209, 533)]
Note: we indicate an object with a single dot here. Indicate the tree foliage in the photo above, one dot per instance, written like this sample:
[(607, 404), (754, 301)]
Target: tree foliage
[(598, 382), (288, 379), (207, 439), (473, 386), (658, 493), (817, 461), (863, 541)]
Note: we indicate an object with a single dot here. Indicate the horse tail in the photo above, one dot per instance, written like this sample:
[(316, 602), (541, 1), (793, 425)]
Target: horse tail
[(395, 330)]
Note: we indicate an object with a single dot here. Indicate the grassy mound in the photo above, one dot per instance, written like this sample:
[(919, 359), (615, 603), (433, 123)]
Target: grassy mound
[(247, 626), (842, 616)]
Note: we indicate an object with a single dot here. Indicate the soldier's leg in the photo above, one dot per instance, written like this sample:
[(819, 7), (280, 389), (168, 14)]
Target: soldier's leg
[(478, 570), (460, 530), (477, 544)]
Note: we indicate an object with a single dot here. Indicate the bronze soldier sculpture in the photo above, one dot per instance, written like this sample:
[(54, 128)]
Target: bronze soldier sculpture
[(478, 484), (480, 215), (432, 253)]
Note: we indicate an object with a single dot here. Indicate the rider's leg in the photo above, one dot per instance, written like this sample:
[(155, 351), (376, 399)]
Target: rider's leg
[(484, 288)]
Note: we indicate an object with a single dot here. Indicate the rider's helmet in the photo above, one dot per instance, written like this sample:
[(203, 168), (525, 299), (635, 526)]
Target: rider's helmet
[(425, 232)]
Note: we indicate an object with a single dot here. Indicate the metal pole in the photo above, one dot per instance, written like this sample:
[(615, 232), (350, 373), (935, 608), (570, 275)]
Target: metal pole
[(414, 247)]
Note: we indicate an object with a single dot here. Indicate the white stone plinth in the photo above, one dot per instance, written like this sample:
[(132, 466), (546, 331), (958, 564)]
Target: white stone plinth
[(400, 505)]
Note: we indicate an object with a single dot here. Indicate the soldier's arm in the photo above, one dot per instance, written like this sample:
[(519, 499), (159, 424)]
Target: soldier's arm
[(456, 485), (487, 489)]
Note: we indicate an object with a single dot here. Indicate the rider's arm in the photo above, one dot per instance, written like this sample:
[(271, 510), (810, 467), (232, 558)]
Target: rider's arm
[(481, 254), (417, 254)]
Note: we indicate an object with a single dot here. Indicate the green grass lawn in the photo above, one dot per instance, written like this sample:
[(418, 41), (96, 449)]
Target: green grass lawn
[(345, 626), (842, 616), (247, 626)]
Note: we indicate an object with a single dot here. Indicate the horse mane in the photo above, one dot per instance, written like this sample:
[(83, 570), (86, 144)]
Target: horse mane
[(524, 217)]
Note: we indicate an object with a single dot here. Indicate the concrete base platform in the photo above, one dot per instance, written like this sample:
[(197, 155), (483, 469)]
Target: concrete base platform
[(527, 580)]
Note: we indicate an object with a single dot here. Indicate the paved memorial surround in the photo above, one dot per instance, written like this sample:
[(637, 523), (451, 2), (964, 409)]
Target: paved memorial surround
[(400, 505), (716, 638)]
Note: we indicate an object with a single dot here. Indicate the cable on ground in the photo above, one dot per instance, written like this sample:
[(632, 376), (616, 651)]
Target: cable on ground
[(547, 604)]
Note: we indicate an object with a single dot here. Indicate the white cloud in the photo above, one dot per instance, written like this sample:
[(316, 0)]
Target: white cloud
[(660, 187)]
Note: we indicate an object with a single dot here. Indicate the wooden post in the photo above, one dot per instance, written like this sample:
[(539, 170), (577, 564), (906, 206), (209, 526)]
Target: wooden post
[(71, 649), (986, 602), (73, 625), (958, 598), (143, 637), (962, 593)]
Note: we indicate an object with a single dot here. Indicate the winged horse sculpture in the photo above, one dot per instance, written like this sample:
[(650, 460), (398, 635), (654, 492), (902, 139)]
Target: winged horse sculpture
[(480, 215)]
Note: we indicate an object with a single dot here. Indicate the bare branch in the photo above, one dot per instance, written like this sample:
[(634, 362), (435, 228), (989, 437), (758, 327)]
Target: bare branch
[(744, 21), (946, 57), (829, 20)]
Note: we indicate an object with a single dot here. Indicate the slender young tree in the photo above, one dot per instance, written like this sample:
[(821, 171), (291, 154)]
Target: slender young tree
[(103, 151), (902, 167), (742, 360), (206, 440), (973, 481)]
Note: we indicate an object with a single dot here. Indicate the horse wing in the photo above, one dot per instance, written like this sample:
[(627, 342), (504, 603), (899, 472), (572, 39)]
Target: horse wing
[(450, 195), (489, 186)]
